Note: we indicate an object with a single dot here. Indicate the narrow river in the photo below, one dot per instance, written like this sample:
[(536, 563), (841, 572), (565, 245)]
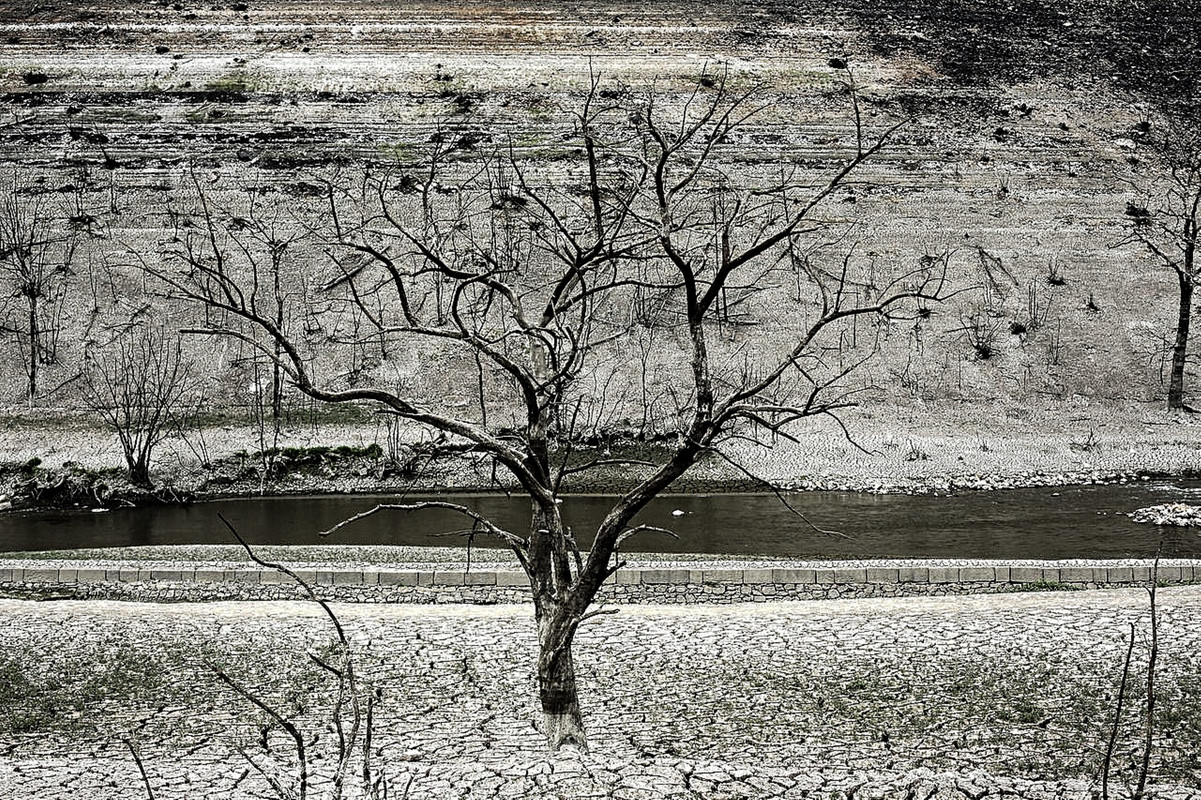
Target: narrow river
[(1043, 523)]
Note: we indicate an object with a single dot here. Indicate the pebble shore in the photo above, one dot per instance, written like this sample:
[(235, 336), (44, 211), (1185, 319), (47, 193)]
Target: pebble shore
[(924, 449)]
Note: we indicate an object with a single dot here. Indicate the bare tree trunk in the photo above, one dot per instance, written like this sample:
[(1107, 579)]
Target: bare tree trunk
[(563, 724), (277, 372), (1180, 348), (34, 336), (139, 471), (277, 392), (557, 605)]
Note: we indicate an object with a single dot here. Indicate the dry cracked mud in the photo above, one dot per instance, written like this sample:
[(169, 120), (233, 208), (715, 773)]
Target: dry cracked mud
[(940, 697)]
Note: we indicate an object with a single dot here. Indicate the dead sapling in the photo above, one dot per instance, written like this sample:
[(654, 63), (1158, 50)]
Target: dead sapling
[(137, 759), (351, 717), (1141, 766)]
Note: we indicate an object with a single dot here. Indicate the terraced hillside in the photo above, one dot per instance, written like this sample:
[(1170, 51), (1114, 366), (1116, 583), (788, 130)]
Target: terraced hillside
[(1018, 174)]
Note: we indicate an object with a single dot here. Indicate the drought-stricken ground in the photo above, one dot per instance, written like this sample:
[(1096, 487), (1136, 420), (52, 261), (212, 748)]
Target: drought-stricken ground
[(894, 698), (123, 105)]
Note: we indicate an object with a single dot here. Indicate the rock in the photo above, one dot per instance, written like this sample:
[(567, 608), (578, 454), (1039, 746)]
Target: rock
[(1175, 514)]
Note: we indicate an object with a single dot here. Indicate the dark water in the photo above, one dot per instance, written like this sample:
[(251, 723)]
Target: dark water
[(1063, 522)]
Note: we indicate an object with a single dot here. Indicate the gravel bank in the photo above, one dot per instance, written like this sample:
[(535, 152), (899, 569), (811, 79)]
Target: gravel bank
[(926, 449)]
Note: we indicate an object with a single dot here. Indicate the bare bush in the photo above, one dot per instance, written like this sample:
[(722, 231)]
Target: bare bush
[(37, 254), (142, 386), (351, 718)]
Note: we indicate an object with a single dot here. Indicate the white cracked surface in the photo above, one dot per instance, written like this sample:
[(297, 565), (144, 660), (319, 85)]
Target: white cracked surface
[(931, 697)]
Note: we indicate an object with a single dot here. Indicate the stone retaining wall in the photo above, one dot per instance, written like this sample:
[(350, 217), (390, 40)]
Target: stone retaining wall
[(627, 586)]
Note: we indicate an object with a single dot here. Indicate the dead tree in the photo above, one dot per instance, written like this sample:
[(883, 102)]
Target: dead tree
[(143, 388), (535, 269), (37, 254), (1140, 757), (352, 716), (1166, 222)]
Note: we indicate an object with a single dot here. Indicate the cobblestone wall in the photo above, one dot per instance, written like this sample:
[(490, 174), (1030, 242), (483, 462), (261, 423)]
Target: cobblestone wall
[(628, 586)]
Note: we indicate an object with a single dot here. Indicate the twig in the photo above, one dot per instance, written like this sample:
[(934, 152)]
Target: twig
[(367, 736), (271, 780), (780, 496), (329, 612), (283, 722), (488, 526), (1107, 762), (1149, 707), (640, 528), (137, 759), (598, 612)]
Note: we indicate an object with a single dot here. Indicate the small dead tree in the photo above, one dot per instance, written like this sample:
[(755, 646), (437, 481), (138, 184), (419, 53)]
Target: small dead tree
[(37, 254), (142, 386), (352, 715), (1140, 757), (1165, 220), (535, 268)]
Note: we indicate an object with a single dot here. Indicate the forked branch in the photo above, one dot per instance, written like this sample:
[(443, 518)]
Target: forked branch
[(516, 543)]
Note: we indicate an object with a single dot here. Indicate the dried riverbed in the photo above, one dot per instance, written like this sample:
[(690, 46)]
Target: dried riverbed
[(934, 697)]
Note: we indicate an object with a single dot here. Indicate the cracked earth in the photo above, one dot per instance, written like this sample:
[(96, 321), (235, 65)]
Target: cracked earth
[(1001, 695)]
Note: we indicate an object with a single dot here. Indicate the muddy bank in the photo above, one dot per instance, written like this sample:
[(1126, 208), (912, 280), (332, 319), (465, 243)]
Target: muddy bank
[(296, 471)]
